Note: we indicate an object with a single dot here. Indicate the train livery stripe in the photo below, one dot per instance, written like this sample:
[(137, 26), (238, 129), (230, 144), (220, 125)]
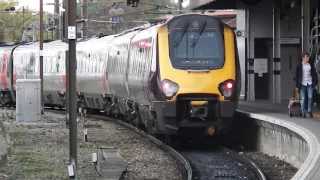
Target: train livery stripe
[(103, 80), (3, 74), (14, 78), (64, 80)]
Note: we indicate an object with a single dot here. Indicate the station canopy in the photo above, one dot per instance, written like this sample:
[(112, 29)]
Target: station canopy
[(219, 4)]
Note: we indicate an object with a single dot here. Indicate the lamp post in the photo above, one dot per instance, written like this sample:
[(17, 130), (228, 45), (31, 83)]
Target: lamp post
[(56, 18), (41, 55), (116, 20), (51, 22), (71, 80)]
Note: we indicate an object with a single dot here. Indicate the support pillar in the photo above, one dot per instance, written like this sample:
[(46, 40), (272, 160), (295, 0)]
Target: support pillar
[(56, 21), (276, 52), (85, 13), (305, 25), (241, 43), (250, 62)]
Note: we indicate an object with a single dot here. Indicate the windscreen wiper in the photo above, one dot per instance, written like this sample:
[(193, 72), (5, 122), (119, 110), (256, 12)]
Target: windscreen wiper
[(195, 40), (176, 43)]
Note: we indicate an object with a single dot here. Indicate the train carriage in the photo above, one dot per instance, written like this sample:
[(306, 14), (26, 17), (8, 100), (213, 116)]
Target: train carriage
[(26, 66), (182, 74), (91, 72)]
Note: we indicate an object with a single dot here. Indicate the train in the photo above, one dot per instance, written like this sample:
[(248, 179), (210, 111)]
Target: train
[(178, 77)]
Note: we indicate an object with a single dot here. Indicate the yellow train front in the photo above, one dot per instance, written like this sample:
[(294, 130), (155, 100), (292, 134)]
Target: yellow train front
[(198, 76)]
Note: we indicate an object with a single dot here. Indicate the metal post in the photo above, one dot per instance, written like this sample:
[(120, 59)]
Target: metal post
[(56, 21), (250, 96), (316, 22), (72, 83), (180, 6), (85, 12), (305, 25), (67, 62), (276, 53), (23, 18), (41, 54)]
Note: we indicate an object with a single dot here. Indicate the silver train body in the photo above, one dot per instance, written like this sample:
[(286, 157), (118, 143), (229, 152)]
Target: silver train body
[(118, 74)]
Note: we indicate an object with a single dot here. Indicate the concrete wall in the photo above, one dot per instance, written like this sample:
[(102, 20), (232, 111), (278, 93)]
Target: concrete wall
[(285, 140)]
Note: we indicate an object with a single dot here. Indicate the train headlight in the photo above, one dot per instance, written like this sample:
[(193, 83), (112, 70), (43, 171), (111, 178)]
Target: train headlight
[(169, 88), (226, 88)]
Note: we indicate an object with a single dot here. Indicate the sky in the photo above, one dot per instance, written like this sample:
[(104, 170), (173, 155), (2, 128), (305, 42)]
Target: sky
[(35, 5)]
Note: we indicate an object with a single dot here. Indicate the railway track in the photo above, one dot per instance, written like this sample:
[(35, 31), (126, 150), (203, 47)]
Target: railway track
[(211, 161), (201, 160)]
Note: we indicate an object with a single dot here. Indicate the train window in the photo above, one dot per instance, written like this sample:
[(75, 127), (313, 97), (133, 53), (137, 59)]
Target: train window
[(1, 63), (54, 64), (50, 64), (96, 63), (31, 63), (82, 64), (206, 51)]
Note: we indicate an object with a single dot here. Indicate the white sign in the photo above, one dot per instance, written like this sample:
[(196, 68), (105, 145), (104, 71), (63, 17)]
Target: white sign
[(72, 32), (260, 66), (290, 41), (239, 33)]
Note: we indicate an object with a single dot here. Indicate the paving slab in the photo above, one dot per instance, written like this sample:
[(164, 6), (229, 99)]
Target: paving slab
[(281, 112), (114, 164)]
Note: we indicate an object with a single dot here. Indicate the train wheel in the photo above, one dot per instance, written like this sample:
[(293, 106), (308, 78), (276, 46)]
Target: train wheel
[(171, 141)]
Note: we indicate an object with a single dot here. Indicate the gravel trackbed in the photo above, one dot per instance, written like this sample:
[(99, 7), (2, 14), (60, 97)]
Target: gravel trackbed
[(41, 151)]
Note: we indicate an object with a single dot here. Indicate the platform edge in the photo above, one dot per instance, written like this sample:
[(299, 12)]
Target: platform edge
[(310, 138)]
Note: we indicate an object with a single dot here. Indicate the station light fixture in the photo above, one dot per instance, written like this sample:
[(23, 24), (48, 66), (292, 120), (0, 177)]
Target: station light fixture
[(133, 2), (10, 9)]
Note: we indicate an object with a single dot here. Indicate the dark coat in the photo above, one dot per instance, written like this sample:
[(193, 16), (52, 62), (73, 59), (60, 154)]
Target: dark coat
[(298, 77)]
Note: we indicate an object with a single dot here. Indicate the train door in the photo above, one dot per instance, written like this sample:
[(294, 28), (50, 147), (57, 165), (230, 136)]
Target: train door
[(105, 80), (1, 60), (9, 69)]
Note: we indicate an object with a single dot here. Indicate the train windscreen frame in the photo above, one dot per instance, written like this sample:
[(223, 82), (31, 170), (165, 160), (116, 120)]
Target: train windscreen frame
[(204, 52), (205, 47)]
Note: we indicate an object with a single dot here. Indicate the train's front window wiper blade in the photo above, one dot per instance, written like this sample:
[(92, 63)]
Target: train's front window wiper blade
[(181, 35), (195, 40)]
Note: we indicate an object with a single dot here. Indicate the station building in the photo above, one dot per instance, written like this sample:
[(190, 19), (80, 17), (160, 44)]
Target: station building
[(271, 35)]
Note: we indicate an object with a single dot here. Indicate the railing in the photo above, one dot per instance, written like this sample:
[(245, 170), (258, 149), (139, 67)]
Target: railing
[(314, 35)]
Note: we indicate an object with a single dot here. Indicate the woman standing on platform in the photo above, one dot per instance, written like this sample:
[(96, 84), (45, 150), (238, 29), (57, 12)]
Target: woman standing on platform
[(306, 80)]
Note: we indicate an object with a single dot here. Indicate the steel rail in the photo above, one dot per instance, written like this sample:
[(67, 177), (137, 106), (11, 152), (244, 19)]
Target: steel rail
[(244, 160), (249, 163)]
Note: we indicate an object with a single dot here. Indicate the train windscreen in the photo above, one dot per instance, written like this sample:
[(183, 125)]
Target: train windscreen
[(192, 50)]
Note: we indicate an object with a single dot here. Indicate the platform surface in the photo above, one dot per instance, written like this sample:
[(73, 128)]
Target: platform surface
[(281, 112)]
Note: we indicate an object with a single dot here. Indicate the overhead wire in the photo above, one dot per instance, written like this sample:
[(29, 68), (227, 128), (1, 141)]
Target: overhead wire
[(99, 10), (132, 12), (150, 4)]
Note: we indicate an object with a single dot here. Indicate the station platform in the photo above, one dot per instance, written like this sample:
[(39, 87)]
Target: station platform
[(280, 111)]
